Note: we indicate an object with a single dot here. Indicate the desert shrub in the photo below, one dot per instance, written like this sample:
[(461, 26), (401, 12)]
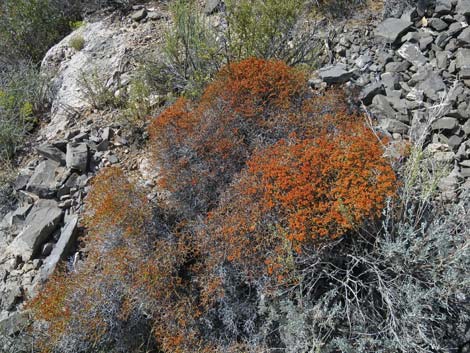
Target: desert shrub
[(201, 145), (22, 95), (195, 50), (191, 54), (7, 198), (29, 27), (299, 193), (337, 8), (86, 308), (271, 29), (128, 294), (96, 91), (402, 292), (77, 42)]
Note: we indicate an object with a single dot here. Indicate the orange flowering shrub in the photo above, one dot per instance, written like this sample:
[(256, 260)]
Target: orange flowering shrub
[(299, 192), (115, 204), (199, 146), (129, 293)]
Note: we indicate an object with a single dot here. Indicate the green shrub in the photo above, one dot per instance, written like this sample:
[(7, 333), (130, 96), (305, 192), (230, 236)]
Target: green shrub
[(77, 42), (28, 28), (22, 95), (96, 91), (195, 49), (271, 29), (191, 54)]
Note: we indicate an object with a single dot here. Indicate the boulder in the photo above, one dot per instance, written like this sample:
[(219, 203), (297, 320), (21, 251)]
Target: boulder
[(43, 181), (437, 24), (432, 86), (51, 152), (394, 126), (41, 222), (392, 29), (77, 157), (62, 248), (463, 7), (139, 15), (370, 91), (464, 37), (443, 7), (335, 74), (412, 54), (445, 123)]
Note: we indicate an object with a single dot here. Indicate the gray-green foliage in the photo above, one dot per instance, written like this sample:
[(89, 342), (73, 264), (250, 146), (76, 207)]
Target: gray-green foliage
[(22, 94), (97, 92), (191, 54), (195, 49), (270, 29), (29, 27), (399, 286)]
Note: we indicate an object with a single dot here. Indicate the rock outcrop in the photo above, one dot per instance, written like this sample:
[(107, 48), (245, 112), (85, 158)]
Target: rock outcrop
[(413, 72)]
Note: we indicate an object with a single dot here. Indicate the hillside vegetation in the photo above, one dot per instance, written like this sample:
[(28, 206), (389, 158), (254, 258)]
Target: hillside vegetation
[(285, 219)]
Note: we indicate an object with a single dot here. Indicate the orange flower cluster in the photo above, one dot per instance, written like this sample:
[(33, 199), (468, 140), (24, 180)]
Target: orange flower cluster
[(199, 146), (300, 192)]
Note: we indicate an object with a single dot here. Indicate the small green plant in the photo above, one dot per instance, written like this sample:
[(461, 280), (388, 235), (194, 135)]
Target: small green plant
[(77, 42), (22, 93), (96, 91), (139, 102), (28, 28), (74, 25)]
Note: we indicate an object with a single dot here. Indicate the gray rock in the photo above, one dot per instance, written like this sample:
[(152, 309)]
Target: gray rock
[(392, 29), (424, 42), (463, 62), (362, 61), (139, 15), (445, 123), (454, 28), (51, 152), (442, 39), (432, 85), (442, 59), (390, 80), (466, 128), (62, 249), (47, 249), (13, 323), (464, 37), (335, 74), (154, 16), (211, 6), (42, 220), (394, 126), (396, 66), (77, 157), (413, 54), (463, 7), (370, 91), (437, 24), (20, 214), (443, 7), (43, 181), (107, 133)]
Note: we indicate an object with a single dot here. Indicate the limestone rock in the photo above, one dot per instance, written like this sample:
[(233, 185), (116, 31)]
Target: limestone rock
[(392, 29), (77, 157), (335, 74), (51, 152), (413, 54), (42, 220), (43, 181)]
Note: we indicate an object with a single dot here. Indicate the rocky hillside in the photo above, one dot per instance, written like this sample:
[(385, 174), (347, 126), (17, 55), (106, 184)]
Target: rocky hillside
[(409, 74)]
